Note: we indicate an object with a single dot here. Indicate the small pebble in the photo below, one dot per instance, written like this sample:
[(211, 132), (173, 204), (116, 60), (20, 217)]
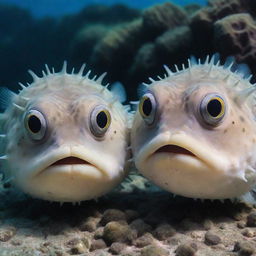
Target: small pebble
[(238, 216), (211, 238), (186, 250), (244, 248), (16, 242), (117, 248), (112, 215), (248, 232), (140, 227), (79, 248), (241, 224), (154, 250), (144, 240), (89, 225), (7, 233), (163, 231), (98, 244), (118, 232), (99, 233), (79, 245), (208, 224), (251, 220)]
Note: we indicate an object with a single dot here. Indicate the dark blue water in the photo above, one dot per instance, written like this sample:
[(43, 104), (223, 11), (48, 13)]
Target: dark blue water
[(41, 8)]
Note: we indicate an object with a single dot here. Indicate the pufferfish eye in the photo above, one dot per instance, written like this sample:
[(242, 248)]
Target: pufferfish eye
[(147, 108), (213, 109), (35, 124), (100, 120)]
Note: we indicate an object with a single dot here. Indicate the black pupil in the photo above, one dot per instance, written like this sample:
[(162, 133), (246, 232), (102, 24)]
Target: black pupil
[(214, 108), (147, 107), (34, 124), (102, 119)]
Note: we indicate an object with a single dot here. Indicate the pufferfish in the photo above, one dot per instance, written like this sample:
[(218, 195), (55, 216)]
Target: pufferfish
[(64, 137), (194, 133)]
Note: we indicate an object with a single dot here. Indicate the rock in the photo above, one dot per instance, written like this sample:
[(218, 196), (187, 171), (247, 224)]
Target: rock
[(241, 224), (116, 248), (186, 250), (98, 244), (89, 225), (144, 240), (79, 245), (118, 232), (79, 248), (131, 215), (99, 233), (163, 231), (16, 242), (248, 232), (251, 220), (112, 215), (140, 227), (237, 34), (208, 224), (7, 233), (162, 17), (154, 250), (244, 248), (211, 238)]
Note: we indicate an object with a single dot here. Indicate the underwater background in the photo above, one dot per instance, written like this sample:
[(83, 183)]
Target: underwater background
[(131, 40)]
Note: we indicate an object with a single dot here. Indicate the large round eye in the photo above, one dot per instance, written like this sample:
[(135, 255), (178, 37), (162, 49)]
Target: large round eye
[(147, 108), (212, 109), (100, 121), (35, 124)]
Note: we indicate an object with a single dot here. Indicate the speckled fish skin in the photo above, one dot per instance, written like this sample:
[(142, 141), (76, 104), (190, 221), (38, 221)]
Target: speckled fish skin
[(190, 153), (90, 164)]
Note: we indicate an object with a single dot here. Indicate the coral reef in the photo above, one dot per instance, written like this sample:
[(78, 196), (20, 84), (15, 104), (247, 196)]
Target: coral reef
[(236, 35), (129, 44)]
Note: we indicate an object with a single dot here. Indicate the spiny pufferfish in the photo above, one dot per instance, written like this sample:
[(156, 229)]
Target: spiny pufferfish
[(194, 133), (64, 137)]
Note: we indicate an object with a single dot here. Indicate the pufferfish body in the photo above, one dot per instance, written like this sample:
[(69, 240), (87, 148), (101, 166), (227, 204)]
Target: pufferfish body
[(64, 137), (194, 132)]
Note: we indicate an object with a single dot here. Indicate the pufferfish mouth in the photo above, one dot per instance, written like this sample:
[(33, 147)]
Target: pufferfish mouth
[(174, 149), (70, 161), (183, 146)]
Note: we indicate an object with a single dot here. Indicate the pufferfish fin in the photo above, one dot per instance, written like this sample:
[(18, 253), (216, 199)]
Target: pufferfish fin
[(249, 197), (119, 91), (6, 98)]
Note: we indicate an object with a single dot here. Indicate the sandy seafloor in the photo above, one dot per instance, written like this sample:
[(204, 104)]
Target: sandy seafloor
[(130, 222)]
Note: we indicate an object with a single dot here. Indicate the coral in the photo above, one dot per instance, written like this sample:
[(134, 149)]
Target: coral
[(129, 53), (162, 17), (85, 40), (114, 52), (236, 35), (202, 23), (129, 44)]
